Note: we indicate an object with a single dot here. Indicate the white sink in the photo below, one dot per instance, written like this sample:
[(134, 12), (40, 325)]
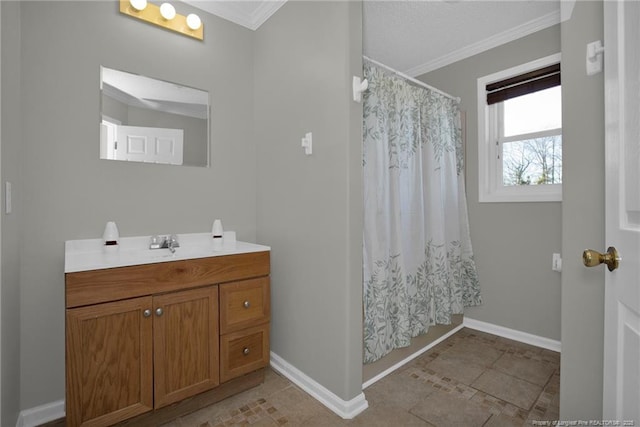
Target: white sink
[(92, 254)]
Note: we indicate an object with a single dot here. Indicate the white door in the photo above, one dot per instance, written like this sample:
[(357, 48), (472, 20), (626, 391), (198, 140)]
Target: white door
[(621, 391), (151, 145)]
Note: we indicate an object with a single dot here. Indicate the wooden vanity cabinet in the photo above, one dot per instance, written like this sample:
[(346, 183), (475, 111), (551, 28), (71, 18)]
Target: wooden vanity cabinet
[(139, 354)]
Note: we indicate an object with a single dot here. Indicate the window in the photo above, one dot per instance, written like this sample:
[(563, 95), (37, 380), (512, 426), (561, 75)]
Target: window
[(520, 133)]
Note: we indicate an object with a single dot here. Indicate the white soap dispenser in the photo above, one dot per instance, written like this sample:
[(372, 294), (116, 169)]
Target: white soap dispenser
[(217, 233), (110, 235)]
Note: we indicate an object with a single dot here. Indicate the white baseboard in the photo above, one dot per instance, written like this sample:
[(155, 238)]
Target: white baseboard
[(403, 362), (41, 414), (345, 409), (513, 334)]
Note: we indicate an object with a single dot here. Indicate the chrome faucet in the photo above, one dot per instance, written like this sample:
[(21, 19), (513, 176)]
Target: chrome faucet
[(164, 242), (172, 243)]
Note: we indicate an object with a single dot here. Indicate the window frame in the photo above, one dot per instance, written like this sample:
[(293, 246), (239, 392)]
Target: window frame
[(490, 187)]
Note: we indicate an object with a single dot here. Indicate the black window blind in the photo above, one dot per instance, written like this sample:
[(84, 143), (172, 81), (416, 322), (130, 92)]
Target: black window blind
[(533, 81)]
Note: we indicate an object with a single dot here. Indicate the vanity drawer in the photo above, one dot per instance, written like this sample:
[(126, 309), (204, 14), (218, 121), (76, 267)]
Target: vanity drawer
[(243, 352), (244, 304)]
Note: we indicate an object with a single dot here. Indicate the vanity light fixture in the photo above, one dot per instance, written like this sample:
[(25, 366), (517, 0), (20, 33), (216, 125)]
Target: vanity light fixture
[(193, 21), (167, 11), (164, 16), (138, 4)]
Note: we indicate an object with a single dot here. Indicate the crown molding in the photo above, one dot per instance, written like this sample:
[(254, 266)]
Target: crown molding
[(566, 9), (264, 12), (512, 34), (225, 10), (234, 11)]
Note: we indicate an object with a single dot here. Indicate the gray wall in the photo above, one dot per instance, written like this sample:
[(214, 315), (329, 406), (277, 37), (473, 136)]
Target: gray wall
[(310, 207), (11, 243), (68, 193), (582, 218), (512, 242)]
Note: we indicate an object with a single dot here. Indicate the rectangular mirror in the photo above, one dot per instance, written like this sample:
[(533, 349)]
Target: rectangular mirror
[(152, 121)]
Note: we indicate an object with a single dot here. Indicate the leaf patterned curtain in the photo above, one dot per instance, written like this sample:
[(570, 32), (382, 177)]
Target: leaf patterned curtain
[(418, 261)]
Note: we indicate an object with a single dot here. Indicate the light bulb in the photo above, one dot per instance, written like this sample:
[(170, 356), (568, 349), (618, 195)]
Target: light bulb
[(167, 11), (193, 21), (138, 4)]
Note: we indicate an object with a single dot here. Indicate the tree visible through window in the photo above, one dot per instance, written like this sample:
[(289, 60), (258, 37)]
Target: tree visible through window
[(531, 138)]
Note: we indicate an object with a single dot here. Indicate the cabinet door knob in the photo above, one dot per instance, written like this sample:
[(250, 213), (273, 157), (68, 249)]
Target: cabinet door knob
[(159, 311), (146, 313), (246, 304), (245, 351)]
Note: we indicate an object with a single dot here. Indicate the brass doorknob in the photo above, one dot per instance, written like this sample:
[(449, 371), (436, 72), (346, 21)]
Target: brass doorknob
[(591, 258)]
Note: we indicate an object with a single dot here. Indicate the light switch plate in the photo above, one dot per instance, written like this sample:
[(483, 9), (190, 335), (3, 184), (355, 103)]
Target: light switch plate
[(7, 197), (556, 263), (307, 144)]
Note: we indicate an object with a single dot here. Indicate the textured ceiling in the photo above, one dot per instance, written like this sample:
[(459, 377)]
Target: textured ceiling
[(417, 36), (412, 35)]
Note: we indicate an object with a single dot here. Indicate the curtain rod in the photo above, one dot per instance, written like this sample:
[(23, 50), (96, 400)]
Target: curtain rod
[(411, 79)]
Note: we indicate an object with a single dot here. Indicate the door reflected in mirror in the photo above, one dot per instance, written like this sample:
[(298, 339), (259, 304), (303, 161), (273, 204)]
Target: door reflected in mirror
[(152, 121)]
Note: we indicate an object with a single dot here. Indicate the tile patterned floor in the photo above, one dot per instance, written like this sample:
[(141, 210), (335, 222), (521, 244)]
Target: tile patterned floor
[(470, 379)]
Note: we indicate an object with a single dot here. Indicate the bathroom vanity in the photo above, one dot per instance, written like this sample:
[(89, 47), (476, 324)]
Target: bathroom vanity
[(154, 335)]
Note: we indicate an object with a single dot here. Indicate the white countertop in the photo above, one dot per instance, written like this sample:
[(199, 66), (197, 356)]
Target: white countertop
[(92, 254)]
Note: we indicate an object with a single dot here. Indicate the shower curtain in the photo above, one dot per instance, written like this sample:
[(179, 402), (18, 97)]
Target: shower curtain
[(418, 261)]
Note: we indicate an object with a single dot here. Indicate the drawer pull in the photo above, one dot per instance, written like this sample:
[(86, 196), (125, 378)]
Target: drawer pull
[(146, 313), (159, 311), (246, 304), (245, 351)]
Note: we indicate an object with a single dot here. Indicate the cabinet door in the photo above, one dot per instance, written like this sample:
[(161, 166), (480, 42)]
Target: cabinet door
[(109, 362), (186, 355)]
